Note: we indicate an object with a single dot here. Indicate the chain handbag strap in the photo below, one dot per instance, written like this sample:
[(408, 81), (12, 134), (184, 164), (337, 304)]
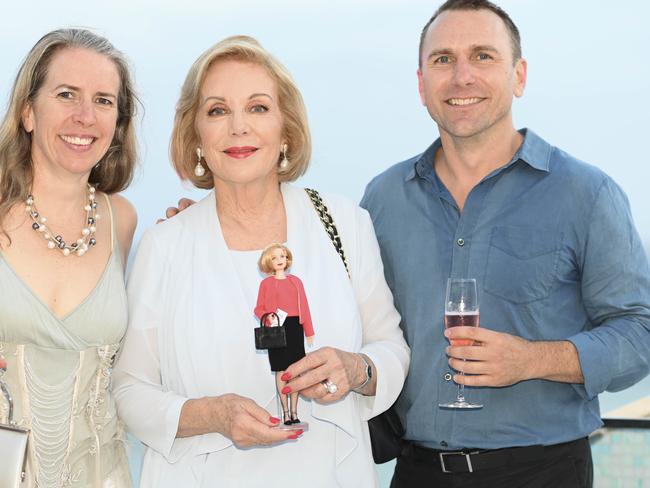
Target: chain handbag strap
[(328, 222)]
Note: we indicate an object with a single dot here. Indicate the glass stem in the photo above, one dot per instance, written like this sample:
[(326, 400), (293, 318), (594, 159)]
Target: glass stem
[(461, 389)]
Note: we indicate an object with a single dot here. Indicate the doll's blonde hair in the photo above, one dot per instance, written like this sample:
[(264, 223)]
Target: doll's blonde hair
[(264, 262)]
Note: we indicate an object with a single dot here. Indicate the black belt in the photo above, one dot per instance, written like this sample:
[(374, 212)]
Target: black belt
[(471, 460)]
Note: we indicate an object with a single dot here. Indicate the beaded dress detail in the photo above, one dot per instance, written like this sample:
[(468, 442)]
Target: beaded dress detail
[(59, 372)]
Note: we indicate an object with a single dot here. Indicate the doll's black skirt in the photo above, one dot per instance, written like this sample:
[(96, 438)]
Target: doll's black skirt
[(282, 357)]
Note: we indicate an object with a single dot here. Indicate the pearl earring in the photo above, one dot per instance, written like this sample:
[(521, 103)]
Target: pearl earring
[(199, 170), (284, 164)]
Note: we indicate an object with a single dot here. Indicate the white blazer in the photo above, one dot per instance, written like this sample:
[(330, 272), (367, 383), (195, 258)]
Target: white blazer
[(190, 336)]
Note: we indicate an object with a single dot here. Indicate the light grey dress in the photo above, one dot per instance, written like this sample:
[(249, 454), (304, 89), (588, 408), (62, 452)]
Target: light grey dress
[(59, 373)]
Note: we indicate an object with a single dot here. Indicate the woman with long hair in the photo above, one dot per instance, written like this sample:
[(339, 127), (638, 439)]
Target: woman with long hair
[(67, 146)]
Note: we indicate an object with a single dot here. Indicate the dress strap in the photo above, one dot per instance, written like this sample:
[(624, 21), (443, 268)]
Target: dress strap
[(110, 213)]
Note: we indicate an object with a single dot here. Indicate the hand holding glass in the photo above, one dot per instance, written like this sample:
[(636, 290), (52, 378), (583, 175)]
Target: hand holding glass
[(461, 309)]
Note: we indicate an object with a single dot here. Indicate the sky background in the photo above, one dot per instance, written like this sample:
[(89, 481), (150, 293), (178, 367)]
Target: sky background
[(355, 62)]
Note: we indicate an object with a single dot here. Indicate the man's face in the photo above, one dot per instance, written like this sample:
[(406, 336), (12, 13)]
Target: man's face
[(468, 78)]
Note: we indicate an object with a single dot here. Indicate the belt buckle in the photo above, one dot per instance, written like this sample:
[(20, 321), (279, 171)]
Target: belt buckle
[(441, 456)]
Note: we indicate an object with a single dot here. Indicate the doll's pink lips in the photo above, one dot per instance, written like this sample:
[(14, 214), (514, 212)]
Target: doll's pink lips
[(240, 152)]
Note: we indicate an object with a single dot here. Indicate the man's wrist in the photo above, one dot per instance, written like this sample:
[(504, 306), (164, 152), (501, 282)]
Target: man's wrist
[(553, 361)]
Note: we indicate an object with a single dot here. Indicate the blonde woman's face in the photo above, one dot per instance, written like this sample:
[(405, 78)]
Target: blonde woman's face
[(239, 123), (278, 259)]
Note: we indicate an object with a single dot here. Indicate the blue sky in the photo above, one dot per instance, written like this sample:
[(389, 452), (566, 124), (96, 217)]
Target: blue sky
[(355, 63)]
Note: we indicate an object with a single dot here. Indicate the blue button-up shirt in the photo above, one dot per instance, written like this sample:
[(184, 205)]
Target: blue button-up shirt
[(551, 243)]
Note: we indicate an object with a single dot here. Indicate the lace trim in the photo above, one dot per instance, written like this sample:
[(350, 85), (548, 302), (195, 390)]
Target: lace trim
[(96, 408), (51, 417), (53, 424)]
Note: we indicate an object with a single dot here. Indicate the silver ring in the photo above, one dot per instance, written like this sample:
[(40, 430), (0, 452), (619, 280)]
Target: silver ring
[(330, 387)]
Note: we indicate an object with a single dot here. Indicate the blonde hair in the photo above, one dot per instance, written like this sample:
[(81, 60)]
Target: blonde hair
[(115, 169), (264, 263), (185, 139)]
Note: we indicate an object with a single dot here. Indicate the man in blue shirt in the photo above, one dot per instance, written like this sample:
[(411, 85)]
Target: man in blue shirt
[(563, 279)]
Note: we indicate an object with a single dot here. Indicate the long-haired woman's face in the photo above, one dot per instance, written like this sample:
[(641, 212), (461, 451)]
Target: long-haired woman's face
[(73, 116)]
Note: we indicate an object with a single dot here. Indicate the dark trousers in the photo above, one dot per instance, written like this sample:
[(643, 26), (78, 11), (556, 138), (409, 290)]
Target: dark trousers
[(567, 465)]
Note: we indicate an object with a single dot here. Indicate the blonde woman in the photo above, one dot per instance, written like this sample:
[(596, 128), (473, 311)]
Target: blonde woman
[(189, 382)]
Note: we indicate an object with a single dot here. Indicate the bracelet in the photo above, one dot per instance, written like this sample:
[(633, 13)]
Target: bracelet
[(368, 373)]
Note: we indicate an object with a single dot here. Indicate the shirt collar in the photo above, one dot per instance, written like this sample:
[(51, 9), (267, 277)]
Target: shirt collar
[(534, 151)]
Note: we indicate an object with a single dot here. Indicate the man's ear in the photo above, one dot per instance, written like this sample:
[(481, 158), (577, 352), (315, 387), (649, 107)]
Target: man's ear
[(521, 72), (421, 87)]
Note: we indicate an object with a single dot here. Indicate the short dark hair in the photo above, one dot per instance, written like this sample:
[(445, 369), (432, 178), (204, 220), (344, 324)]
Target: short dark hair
[(515, 38)]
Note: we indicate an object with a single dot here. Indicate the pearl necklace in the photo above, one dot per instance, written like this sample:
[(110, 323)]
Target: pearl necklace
[(55, 241)]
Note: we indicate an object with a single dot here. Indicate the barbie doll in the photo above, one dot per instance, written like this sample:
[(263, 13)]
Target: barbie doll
[(284, 294)]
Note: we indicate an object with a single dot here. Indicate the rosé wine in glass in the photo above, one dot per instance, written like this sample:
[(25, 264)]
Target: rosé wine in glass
[(458, 319), (461, 309)]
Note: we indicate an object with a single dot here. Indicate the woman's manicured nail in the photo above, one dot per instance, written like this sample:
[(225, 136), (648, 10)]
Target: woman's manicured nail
[(285, 377), (286, 390), (274, 420), (293, 437)]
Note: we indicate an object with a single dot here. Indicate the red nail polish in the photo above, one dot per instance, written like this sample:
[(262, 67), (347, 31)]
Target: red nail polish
[(286, 390), (285, 377), (293, 436), (274, 420), (299, 432)]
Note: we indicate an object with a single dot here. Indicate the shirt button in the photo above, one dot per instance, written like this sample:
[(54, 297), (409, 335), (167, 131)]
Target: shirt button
[(444, 444), (460, 242), (447, 376)]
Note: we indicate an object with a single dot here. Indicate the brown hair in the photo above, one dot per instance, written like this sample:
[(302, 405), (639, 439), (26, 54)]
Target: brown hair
[(515, 38), (115, 169), (185, 140), (264, 263)]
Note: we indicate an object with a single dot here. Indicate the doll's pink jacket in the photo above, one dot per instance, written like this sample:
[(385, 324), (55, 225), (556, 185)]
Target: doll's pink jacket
[(269, 296)]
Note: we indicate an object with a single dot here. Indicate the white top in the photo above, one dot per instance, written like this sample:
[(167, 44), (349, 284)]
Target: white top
[(190, 335), (58, 370)]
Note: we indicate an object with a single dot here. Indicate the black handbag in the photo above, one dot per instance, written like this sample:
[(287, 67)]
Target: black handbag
[(386, 429), (386, 434), (270, 337)]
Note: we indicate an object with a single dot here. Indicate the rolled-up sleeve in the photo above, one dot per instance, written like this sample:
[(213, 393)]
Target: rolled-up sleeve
[(615, 353)]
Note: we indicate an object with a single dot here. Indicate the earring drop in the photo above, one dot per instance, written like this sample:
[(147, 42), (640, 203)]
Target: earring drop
[(284, 164), (199, 170)]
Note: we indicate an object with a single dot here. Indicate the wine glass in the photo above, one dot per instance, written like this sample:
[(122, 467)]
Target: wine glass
[(461, 309)]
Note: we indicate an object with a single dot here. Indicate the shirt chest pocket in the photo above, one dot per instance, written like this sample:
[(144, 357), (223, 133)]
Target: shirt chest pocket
[(522, 263)]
